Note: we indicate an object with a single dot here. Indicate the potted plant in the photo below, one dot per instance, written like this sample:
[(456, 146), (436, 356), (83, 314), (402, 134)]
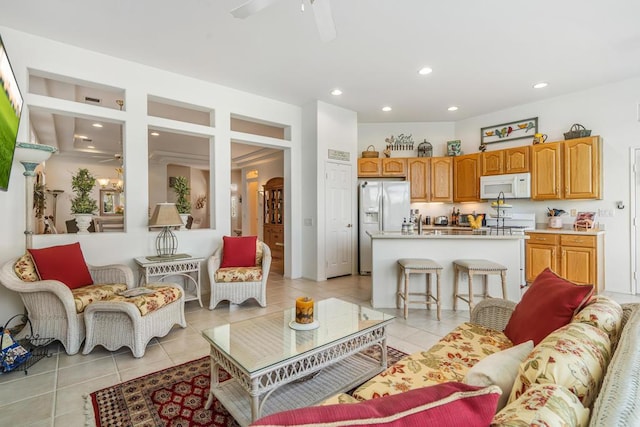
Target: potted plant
[(83, 205), (39, 203), (182, 189)]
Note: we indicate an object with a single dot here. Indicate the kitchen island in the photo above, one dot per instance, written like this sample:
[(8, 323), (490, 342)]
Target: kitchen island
[(444, 245)]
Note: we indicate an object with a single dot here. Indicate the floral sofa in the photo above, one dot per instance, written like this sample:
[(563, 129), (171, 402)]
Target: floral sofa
[(582, 373)]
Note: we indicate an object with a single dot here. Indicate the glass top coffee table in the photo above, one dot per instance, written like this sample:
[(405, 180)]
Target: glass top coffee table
[(275, 368)]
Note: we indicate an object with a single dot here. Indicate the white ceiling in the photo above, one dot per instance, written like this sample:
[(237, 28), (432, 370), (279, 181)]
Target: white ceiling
[(486, 55)]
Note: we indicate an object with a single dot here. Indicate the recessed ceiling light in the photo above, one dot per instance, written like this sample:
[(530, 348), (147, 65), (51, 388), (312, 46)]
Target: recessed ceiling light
[(385, 109), (336, 92), (91, 146), (452, 108), (540, 85), (155, 134), (424, 71), (97, 125), (80, 136)]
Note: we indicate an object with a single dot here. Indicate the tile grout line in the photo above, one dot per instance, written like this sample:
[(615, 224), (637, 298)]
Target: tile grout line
[(54, 405)]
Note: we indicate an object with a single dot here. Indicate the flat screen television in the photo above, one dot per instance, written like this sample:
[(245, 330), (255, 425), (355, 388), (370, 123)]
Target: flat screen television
[(10, 112)]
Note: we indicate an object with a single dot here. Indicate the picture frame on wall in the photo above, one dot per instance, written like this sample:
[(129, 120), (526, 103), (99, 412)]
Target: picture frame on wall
[(509, 131)]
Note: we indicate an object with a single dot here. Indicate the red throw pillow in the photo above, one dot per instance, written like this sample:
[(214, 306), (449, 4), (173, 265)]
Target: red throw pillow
[(446, 404), (238, 251), (64, 263), (548, 304)]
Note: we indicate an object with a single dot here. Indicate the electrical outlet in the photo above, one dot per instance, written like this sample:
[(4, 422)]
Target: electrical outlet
[(605, 213), (574, 212)]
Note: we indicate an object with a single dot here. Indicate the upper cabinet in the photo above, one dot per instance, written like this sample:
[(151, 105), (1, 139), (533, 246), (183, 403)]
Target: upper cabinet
[(419, 178), (369, 167), (375, 167), (394, 167), (510, 160), (466, 178), (569, 169), (517, 159), (546, 171), (583, 168), (441, 179)]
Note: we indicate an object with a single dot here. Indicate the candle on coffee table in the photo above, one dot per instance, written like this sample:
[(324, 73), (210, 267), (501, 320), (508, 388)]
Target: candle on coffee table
[(304, 310)]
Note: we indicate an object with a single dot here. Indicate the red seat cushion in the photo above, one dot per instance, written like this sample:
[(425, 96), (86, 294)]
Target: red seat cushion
[(238, 251), (548, 304), (64, 263), (446, 404)]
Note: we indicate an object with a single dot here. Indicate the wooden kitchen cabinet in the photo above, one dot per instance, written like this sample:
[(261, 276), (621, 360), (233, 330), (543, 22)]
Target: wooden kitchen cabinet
[(510, 160), (516, 159), (546, 171), (541, 251), (419, 178), (582, 168), (441, 175), (466, 178), (578, 258), (369, 167), (492, 162), (394, 166), (377, 168), (569, 169)]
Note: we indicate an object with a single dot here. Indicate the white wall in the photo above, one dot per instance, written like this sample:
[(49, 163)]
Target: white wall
[(140, 82), (610, 111), (437, 133), (329, 127)]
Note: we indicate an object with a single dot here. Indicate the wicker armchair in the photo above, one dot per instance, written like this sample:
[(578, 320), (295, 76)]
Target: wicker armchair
[(238, 291), (50, 304)]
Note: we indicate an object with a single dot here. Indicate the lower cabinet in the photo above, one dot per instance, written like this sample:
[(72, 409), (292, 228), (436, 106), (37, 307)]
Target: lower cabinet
[(576, 257)]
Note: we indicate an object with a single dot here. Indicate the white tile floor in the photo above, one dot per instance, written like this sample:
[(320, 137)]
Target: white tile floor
[(52, 393)]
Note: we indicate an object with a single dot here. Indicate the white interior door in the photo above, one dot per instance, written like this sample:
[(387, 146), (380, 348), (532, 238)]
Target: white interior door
[(338, 214)]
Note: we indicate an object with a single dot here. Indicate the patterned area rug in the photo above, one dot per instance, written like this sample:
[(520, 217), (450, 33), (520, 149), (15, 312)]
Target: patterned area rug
[(173, 397)]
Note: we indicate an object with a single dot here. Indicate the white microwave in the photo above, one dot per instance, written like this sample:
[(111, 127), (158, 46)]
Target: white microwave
[(512, 185)]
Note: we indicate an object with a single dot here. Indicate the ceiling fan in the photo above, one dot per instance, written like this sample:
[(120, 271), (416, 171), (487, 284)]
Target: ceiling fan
[(116, 157), (321, 12)]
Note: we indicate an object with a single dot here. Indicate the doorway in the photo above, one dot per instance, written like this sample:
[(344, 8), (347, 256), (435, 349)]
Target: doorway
[(252, 207)]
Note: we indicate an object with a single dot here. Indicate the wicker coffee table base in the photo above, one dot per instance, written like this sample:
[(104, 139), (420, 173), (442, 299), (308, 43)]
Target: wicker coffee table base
[(289, 385)]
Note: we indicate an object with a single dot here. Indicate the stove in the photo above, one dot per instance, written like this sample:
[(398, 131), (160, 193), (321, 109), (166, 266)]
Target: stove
[(517, 223)]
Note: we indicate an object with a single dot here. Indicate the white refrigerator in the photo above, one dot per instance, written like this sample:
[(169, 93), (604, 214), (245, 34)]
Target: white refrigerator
[(383, 206)]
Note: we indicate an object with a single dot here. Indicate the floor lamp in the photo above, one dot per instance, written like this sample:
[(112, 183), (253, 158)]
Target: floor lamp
[(31, 155)]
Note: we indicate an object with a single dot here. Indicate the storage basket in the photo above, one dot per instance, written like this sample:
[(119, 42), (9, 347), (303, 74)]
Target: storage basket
[(370, 153), (577, 131)]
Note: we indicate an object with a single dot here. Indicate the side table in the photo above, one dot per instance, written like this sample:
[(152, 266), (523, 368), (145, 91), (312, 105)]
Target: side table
[(188, 267)]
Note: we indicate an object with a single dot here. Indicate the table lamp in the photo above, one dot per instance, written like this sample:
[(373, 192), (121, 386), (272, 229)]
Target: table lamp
[(166, 215)]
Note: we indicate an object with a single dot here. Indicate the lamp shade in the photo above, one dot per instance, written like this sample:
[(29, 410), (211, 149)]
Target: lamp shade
[(165, 215)]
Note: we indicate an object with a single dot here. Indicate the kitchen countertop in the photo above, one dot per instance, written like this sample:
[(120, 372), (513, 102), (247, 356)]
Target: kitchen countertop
[(566, 229), (448, 233)]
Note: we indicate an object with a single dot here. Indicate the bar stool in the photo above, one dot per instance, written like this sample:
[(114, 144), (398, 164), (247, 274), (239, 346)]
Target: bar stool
[(477, 267), (418, 266)]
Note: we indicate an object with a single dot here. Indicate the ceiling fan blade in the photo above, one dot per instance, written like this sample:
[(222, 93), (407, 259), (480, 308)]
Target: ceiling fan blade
[(249, 8), (324, 19)]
